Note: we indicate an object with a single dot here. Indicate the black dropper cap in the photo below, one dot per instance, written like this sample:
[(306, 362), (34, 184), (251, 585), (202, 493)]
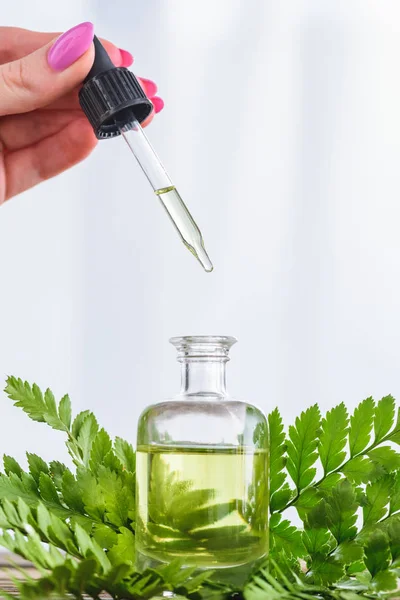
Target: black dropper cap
[(111, 97)]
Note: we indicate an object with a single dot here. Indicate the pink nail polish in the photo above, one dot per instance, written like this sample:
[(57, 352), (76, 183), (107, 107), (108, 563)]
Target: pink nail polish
[(126, 58), (70, 46), (149, 87), (158, 103)]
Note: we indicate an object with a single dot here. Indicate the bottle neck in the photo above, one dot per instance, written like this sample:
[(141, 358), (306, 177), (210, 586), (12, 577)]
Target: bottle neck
[(203, 377)]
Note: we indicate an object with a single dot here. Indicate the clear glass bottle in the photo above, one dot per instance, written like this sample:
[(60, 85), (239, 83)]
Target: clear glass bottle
[(202, 471)]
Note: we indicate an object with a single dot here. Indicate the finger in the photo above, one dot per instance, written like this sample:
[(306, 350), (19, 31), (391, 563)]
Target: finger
[(20, 131), (158, 103), (149, 87), (149, 119), (48, 73), (53, 155), (69, 101), (126, 57), (16, 43)]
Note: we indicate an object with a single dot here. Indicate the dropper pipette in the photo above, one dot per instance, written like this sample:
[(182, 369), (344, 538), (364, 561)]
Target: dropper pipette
[(163, 187), (115, 104)]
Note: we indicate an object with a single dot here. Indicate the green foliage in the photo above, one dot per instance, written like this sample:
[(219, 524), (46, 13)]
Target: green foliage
[(337, 512), (38, 406), (125, 454), (271, 582), (358, 469), (285, 536), (361, 426), (302, 446), (333, 438), (376, 500), (94, 572), (384, 417), (280, 492), (395, 495), (345, 473)]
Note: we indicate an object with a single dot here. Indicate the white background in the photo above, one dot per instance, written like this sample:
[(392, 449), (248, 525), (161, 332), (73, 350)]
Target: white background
[(282, 132)]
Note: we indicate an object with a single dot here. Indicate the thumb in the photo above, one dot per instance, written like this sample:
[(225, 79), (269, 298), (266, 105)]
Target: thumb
[(48, 73)]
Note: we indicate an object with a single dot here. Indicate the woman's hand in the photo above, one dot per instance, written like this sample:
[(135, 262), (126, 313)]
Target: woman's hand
[(42, 128)]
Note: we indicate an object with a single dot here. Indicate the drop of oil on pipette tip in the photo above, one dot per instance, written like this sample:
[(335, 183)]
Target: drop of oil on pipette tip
[(201, 255), (205, 261), (185, 224)]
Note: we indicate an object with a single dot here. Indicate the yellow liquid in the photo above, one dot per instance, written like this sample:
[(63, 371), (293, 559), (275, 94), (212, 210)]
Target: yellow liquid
[(205, 506), (184, 223)]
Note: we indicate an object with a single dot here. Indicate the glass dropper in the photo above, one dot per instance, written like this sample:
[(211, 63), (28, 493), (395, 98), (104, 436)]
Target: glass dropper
[(163, 187), (115, 104)]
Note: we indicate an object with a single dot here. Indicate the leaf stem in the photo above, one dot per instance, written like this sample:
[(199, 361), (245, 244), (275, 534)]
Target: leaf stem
[(339, 469)]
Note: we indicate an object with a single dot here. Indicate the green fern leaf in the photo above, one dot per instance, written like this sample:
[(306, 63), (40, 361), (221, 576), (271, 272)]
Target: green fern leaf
[(284, 536), (36, 466), (302, 446), (394, 435), (64, 411), (376, 503), (124, 550), (395, 495), (11, 466), (126, 454), (57, 470), (48, 490), (71, 492), (384, 417), (333, 438), (358, 470), (277, 449), (377, 553), (101, 446), (386, 457), (361, 426), (341, 507), (85, 438)]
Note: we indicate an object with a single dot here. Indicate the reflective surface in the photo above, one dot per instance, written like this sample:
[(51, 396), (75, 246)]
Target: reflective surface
[(202, 470)]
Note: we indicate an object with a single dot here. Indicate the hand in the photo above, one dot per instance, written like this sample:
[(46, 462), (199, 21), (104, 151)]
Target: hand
[(42, 128)]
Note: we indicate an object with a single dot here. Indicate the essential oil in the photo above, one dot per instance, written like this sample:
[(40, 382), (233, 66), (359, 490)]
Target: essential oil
[(205, 506), (189, 232)]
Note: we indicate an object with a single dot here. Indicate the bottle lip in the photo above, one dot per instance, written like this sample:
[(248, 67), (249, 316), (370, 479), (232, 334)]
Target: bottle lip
[(208, 340), (203, 345)]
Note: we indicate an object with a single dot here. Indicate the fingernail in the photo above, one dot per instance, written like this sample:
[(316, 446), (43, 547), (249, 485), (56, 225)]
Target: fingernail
[(126, 58), (70, 46), (158, 103), (149, 119), (149, 87)]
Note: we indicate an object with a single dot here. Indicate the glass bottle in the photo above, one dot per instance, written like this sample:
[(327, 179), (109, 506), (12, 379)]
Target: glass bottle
[(202, 471)]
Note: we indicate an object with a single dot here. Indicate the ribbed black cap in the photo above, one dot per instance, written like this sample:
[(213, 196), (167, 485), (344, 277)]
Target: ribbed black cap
[(111, 97)]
